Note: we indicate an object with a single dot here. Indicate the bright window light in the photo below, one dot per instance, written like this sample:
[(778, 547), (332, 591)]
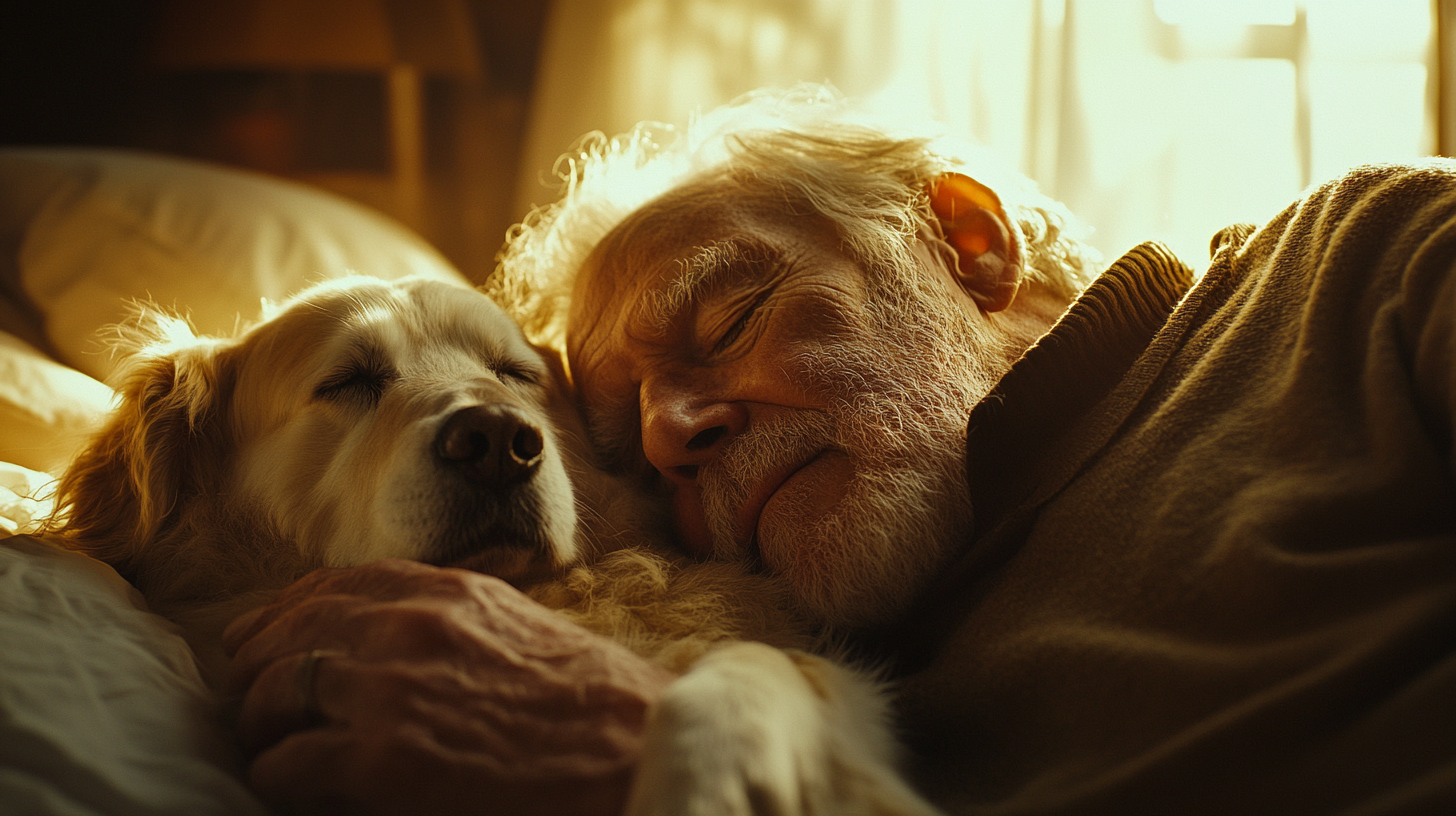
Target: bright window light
[(1364, 112), (1225, 12)]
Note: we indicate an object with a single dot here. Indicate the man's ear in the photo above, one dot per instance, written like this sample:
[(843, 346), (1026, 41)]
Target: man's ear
[(988, 260)]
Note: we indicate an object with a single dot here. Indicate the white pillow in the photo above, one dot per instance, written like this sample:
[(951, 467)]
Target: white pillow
[(27, 499), (102, 710), (47, 410), (109, 227)]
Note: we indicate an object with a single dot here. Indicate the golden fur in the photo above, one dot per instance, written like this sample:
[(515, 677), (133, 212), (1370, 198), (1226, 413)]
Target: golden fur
[(180, 489), (322, 437)]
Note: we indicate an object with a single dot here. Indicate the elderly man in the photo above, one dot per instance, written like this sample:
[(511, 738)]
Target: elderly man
[(1195, 550)]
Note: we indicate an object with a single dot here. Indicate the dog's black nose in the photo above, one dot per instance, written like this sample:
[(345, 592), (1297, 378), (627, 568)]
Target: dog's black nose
[(491, 444)]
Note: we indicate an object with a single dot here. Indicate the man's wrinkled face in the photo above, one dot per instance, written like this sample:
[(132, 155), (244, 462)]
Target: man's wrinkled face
[(801, 410)]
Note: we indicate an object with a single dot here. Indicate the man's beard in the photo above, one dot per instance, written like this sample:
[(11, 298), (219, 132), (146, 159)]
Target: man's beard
[(899, 394)]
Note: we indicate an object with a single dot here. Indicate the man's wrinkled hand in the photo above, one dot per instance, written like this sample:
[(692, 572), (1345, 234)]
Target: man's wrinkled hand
[(398, 687)]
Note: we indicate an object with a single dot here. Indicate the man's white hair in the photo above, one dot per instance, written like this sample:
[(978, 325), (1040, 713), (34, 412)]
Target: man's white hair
[(807, 145)]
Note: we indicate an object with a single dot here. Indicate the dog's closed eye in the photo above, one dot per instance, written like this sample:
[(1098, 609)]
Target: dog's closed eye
[(513, 370), (360, 381)]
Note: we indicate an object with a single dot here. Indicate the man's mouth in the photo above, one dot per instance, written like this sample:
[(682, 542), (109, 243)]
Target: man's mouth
[(750, 513)]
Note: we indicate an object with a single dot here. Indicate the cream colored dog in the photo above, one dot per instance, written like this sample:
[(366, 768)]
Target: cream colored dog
[(411, 419)]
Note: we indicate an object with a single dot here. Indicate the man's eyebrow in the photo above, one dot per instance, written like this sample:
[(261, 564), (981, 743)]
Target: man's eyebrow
[(700, 270)]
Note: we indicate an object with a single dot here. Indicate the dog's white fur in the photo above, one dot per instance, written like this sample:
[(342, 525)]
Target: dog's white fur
[(234, 466)]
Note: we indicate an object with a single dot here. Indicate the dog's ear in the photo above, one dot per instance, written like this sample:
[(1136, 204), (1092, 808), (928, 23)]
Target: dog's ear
[(560, 402), (562, 405), (158, 447)]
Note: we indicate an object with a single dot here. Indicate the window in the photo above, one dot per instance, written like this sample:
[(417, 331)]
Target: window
[(1152, 119)]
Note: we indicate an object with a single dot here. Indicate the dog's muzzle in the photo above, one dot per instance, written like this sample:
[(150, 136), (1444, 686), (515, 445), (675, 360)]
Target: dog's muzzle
[(492, 445)]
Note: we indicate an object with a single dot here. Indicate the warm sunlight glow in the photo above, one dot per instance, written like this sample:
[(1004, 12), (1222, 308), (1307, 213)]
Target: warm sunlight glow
[(1367, 83), (1224, 169), (1365, 112), (1206, 13), (1163, 120), (1220, 112)]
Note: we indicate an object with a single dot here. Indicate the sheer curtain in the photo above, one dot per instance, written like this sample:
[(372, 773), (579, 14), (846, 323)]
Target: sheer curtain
[(1160, 120)]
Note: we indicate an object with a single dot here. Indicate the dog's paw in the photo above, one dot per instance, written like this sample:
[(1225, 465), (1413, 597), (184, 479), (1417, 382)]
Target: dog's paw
[(755, 730)]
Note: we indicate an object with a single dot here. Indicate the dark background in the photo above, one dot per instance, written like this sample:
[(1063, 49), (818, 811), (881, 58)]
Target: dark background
[(83, 73)]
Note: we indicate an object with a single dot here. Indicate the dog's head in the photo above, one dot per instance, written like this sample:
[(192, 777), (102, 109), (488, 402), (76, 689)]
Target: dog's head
[(364, 420)]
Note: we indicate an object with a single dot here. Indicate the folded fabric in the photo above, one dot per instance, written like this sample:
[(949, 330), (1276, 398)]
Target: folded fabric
[(25, 499), (102, 710)]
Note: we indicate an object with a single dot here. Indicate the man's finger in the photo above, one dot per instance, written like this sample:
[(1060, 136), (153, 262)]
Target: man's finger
[(386, 580), (309, 771), (242, 629), (291, 694), (315, 623), (247, 625)]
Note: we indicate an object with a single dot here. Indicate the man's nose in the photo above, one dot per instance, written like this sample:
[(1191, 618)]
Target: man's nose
[(682, 430)]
